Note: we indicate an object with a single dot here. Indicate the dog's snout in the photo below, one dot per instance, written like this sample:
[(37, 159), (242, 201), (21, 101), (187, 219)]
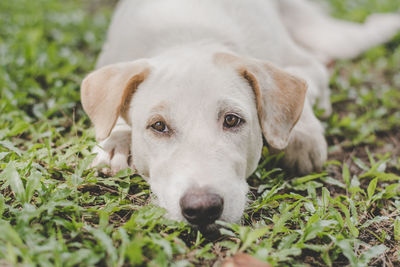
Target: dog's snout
[(201, 207)]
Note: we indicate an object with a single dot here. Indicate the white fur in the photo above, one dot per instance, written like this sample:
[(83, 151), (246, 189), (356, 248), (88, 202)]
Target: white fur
[(178, 38), (328, 38)]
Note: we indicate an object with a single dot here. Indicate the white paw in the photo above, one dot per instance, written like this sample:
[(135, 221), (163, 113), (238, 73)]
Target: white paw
[(114, 151), (306, 152), (307, 148)]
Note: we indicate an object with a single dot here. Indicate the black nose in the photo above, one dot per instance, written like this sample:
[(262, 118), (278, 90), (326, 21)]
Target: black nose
[(201, 207)]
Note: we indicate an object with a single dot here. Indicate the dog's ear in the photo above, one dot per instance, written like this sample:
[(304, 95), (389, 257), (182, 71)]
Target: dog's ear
[(279, 96), (107, 92)]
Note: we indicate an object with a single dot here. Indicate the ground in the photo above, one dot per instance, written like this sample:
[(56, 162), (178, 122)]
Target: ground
[(54, 211)]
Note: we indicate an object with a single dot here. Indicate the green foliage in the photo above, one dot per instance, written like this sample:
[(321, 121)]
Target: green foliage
[(54, 211)]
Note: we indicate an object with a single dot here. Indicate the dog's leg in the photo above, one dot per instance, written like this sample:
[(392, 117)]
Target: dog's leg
[(329, 38), (307, 149), (114, 151)]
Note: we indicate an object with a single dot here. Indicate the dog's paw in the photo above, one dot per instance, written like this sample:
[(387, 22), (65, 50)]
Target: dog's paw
[(113, 151), (306, 152)]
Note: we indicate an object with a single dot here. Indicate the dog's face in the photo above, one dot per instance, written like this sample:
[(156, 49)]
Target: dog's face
[(195, 131), (197, 125)]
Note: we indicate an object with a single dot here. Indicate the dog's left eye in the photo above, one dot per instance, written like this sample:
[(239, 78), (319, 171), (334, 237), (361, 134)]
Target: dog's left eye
[(231, 121), (160, 126)]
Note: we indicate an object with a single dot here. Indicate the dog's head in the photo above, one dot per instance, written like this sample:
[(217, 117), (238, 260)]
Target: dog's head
[(197, 124)]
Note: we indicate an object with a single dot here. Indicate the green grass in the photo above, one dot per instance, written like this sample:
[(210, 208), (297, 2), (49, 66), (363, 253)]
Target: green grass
[(56, 212)]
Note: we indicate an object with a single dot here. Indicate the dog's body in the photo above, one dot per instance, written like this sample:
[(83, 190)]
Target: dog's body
[(197, 94)]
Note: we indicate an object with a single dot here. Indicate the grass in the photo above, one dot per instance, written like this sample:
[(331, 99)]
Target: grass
[(56, 212)]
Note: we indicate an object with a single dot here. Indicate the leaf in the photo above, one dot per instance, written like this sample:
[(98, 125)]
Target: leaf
[(333, 181), (124, 239), (326, 257), (307, 178), (252, 236), (397, 229), (134, 251), (376, 219), (10, 146), (267, 195), (84, 165), (360, 164), (346, 174), (11, 175), (32, 184), (352, 228), (325, 197), (2, 205), (3, 155), (371, 253), (313, 229), (371, 188), (8, 234), (348, 251), (19, 127), (387, 177), (287, 241), (355, 185), (279, 223), (285, 253), (165, 245), (106, 242)]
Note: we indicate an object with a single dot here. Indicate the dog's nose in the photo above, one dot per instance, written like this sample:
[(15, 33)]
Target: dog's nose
[(201, 207)]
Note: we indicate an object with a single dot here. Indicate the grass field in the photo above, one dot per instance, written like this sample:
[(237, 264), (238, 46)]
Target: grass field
[(56, 212)]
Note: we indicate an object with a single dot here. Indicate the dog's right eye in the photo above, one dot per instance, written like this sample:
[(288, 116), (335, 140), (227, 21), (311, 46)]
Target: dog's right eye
[(232, 121), (160, 127)]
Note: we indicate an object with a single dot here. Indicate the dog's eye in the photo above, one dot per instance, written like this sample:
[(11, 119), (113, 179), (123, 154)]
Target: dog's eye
[(231, 121), (160, 126)]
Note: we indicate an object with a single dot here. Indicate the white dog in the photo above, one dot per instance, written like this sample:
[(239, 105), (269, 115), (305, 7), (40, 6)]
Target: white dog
[(187, 89)]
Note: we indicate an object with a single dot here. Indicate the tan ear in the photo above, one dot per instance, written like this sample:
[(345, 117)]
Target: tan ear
[(279, 96), (106, 93)]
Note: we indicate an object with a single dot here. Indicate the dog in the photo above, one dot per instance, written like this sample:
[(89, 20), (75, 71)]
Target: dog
[(185, 91)]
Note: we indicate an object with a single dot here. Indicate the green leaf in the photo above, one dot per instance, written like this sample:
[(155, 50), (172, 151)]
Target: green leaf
[(106, 242), (287, 241), (19, 127), (333, 181), (252, 236), (376, 219), (325, 197), (396, 229), (9, 235), (371, 188), (346, 174), (307, 178), (285, 253), (11, 175), (10, 146), (371, 253), (348, 251), (2, 205), (352, 228), (3, 155), (134, 251), (32, 184)]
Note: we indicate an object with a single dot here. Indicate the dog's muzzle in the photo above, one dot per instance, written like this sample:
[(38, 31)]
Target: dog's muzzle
[(201, 207)]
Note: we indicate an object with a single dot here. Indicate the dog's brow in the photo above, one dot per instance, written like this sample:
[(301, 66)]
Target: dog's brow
[(162, 106), (227, 105)]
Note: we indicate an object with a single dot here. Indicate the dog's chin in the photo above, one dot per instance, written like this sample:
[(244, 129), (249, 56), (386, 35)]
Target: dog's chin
[(209, 231)]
